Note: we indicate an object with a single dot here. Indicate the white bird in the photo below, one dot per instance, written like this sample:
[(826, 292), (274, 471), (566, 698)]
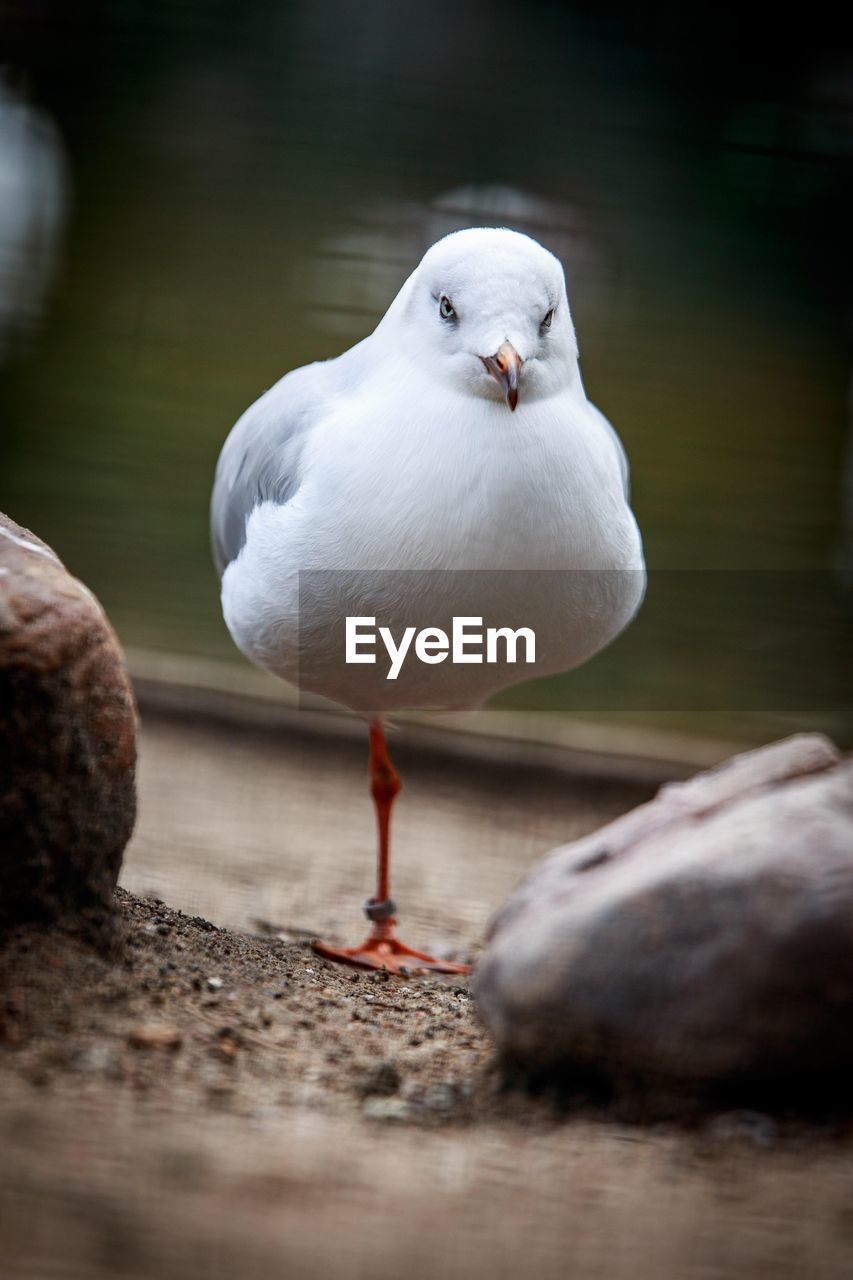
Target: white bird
[(402, 480)]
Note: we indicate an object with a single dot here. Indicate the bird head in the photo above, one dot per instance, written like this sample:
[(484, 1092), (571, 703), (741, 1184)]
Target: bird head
[(486, 311)]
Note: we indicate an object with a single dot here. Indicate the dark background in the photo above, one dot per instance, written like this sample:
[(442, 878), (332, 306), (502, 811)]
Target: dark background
[(195, 197)]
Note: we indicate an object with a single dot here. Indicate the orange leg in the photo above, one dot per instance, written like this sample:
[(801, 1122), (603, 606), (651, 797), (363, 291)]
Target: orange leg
[(382, 949)]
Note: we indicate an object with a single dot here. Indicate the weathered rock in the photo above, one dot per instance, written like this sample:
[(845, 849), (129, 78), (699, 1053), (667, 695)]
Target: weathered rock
[(702, 943), (67, 741)]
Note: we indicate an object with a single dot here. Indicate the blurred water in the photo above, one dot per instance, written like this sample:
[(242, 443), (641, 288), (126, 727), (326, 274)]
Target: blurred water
[(33, 200), (251, 186)]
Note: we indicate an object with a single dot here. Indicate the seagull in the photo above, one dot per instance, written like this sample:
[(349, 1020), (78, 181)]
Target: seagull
[(448, 464)]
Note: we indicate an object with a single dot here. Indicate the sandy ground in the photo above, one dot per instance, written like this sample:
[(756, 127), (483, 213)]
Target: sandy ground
[(244, 825), (205, 1101)]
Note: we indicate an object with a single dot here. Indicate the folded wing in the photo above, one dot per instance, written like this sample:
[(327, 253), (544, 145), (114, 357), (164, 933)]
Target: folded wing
[(261, 461)]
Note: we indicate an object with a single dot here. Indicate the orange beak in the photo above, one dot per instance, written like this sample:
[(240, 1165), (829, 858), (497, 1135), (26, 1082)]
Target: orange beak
[(505, 366)]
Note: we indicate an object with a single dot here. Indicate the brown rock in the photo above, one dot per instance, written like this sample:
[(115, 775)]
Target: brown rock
[(704, 941), (67, 741)]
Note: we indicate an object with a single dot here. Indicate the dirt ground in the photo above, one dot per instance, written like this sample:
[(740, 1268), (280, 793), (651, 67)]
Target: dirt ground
[(209, 1101)]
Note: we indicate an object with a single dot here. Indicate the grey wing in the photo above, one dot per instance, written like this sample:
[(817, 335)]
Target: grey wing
[(261, 460), (621, 455)]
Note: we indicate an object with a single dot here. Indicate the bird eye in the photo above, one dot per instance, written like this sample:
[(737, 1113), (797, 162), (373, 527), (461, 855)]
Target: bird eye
[(446, 309), (546, 323)]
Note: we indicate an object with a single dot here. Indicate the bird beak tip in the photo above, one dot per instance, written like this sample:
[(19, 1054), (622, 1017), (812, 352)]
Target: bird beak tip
[(504, 367)]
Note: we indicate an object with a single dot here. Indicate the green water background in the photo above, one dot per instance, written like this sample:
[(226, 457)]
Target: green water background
[(251, 183)]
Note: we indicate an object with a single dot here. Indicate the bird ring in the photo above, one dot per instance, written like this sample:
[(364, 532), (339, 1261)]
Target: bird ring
[(378, 911)]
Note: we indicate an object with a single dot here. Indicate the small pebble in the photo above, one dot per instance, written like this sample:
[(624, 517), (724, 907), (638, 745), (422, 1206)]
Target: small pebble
[(95, 1057), (441, 1097), (155, 1035), (381, 1081), (227, 1042), (385, 1109)]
